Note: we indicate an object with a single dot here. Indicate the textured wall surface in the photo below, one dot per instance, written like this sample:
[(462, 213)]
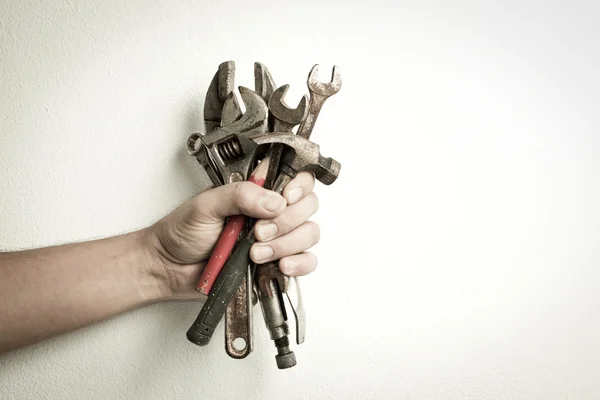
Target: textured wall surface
[(460, 247)]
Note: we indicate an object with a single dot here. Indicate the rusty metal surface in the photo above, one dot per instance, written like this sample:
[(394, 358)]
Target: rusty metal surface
[(270, 284), (284, 119), (238, 321), (264, 85), (228, 151), (305, 156), (220, 88), (266, 274), (319, 92), (228, 167)]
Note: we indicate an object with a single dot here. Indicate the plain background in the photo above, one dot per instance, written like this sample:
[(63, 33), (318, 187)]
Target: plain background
[(460, 246)]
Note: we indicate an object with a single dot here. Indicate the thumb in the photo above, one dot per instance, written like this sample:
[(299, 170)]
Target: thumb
[(244, 198)]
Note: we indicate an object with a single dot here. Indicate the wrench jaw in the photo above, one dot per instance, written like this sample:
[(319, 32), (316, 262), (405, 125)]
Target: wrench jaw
[(319, 92), (231, 111), (195, 148), (286, 117), (220, 88), (328, 89), (264, 85), (229, 151)]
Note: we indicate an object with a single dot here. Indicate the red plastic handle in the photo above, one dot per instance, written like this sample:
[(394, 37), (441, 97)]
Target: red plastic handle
[(228, 238)]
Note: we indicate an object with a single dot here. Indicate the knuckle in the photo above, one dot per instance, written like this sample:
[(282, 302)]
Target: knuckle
[(286, 222), (242, 192)]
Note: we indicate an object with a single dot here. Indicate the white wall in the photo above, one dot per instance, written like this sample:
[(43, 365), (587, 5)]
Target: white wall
[(460, 246)]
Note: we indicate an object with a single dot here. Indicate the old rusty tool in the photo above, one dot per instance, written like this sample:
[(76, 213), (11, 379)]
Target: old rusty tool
[(270, 281), (319, 92), (284, 120), (220, 89), (218, 95), (239, 341), (305, 156), (231, 153), (264, 85)]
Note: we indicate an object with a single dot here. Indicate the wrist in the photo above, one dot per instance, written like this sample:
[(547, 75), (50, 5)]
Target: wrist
[(155, 266)]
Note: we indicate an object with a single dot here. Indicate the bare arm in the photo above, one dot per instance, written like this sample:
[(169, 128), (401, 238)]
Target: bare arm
[(49, 291), (45, 292)]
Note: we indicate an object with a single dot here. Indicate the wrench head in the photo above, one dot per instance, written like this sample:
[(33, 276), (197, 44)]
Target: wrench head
[(231, 110), (219, 90), (255, 119), (282, 112), (264, 84), (324, 89)]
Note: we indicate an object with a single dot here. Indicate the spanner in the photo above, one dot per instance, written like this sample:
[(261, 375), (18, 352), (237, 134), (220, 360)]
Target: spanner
[(319, 92), (228, 156), (238, 316), (271, 282)]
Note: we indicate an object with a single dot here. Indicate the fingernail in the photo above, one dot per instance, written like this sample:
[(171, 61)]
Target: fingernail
[(272, 203), (266, 231), (262, 252), (294, 194)]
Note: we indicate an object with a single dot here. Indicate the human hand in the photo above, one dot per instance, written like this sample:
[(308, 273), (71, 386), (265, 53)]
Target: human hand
[(183, 240)]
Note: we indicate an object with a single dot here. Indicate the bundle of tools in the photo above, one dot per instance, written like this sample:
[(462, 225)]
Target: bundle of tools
[(256, 145)]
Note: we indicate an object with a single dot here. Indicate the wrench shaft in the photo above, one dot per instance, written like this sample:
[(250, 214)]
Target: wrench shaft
[(315, 105)]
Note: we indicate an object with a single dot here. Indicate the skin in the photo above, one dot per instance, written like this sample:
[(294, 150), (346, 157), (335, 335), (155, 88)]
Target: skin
[(49, 291)]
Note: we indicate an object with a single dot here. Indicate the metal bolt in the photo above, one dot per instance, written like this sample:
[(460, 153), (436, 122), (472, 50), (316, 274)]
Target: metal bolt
[(285, 358)]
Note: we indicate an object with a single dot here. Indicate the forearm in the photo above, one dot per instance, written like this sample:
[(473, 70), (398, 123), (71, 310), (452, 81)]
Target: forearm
[(45, 292)]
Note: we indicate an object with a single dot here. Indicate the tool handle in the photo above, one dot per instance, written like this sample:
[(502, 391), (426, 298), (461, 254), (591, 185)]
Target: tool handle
[(222, 249), (227, 239), (225, 286)]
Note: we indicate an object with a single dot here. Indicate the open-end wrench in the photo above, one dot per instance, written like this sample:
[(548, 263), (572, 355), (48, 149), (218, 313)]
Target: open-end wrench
[(319, 92), (239, 341)]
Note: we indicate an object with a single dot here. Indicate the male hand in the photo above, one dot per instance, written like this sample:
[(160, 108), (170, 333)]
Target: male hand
[(183, 240)]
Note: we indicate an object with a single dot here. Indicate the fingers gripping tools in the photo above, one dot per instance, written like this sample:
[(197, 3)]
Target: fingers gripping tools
[(228, 151), (227, 156)]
